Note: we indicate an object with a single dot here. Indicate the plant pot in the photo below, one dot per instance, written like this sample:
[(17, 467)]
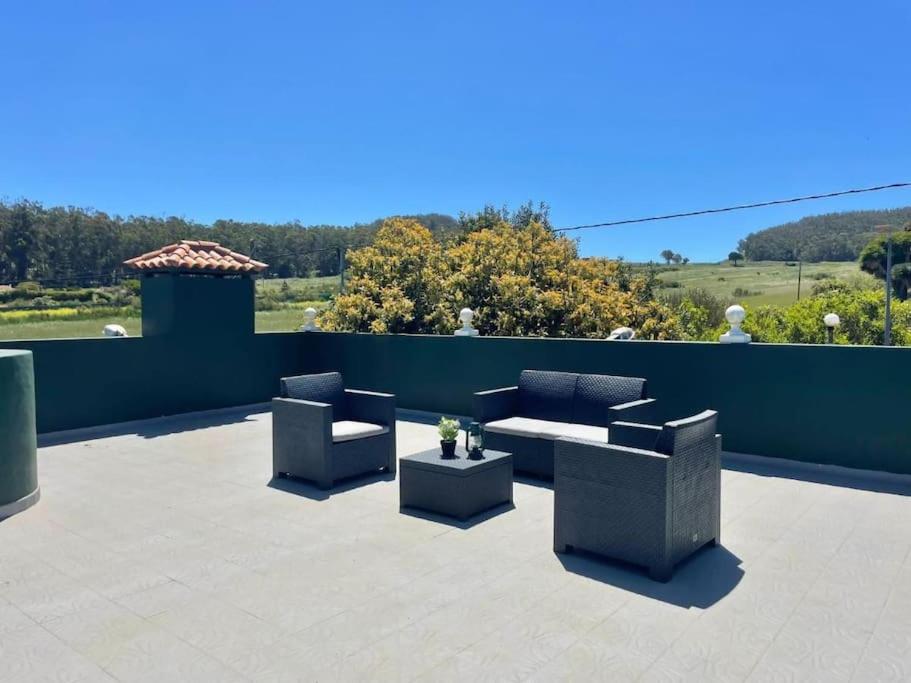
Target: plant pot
[(448, 448)]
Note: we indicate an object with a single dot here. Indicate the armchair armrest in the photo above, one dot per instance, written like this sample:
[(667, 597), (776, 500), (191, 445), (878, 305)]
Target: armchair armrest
[(310, 414), (495, 404), (633, 434), (643, 410), (371, 406), (302, 439), (618, 466)]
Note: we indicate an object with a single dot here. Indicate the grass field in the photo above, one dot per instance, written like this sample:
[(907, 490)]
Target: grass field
[(283, 320), (760, 282), (288, 296)]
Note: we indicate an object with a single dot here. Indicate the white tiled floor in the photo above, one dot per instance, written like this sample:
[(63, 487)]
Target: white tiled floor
[(164, 555)]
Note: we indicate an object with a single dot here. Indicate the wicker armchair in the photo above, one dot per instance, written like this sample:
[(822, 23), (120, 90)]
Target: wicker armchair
[(651, 496), (324, 432)]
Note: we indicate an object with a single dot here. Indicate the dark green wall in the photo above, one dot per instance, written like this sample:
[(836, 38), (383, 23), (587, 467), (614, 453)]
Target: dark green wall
[(844, 405), (87, 382), (18, 464)]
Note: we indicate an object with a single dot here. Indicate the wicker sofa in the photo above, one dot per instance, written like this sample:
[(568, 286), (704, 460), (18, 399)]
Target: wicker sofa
[(526, 419), (652, 496), (324, 432)]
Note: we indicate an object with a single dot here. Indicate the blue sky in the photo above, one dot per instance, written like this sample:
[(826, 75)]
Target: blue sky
[(343, 112)]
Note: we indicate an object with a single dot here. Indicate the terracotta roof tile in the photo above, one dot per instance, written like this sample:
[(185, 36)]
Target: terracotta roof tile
[(196, 256)]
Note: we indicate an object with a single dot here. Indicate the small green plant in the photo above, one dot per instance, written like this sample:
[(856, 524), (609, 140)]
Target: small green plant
[(448, 429)]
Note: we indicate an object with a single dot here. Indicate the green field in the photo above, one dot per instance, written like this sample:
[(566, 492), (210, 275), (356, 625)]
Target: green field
[(266, 321), (761, 282), (283, 299)]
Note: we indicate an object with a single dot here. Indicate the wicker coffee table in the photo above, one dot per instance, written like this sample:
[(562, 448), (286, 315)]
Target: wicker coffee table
[(459, 487)]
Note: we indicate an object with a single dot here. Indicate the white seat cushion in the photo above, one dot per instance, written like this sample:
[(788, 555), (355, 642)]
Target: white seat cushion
[(546, 429), (576, 431), (519, 426), (347, 430)]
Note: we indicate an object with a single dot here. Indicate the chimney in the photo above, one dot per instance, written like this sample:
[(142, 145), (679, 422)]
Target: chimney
[(196, 288)]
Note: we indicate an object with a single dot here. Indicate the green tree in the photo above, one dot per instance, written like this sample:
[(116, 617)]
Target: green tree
[(668, 255), (734, 257), (874, 256)]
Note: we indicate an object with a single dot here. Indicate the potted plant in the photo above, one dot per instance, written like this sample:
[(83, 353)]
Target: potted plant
[(449, 431)]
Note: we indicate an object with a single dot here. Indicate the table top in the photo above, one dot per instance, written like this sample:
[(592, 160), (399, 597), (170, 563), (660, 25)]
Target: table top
[(461, 465)]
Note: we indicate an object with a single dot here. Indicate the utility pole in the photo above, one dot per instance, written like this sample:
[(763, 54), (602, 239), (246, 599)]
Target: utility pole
[(887, 332), (341, 269), (799, 275), (887, 335)]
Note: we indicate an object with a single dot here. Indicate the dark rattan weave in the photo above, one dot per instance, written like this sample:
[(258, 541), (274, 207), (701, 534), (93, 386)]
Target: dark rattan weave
[(641, 506), (597, 400), (459, 488), (302, 443)]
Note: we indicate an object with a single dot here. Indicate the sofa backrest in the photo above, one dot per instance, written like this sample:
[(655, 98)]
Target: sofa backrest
[(691, 434), (596, 393), (547, 395), (327, 387), (571, 397)]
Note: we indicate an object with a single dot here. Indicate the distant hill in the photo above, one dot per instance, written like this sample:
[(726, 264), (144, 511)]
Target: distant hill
[(827, 237)]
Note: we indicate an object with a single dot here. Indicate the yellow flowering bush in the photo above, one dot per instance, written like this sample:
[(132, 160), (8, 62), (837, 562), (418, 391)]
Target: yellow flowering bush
[(519, 281)]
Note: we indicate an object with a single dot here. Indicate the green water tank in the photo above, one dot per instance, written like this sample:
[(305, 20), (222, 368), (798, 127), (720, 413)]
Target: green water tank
[(18, 434)]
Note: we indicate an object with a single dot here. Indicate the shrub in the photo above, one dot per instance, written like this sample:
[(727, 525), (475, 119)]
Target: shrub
[(699, 312), (744, 292)]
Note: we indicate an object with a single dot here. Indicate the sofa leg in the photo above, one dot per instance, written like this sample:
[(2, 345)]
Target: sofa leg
[(661, 573)]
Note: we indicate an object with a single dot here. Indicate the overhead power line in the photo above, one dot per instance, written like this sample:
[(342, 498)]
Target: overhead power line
[(738, 207)]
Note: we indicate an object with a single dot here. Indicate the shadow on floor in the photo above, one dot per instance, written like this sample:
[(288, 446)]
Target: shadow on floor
[(456, 523), (830, 475), (306, 489), (700, 581), (533, 481), (150, 429)]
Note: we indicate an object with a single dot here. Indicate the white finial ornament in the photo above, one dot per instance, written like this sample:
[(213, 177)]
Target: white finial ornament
[(622, 334), (309, 320), (114, 331), (735, 316), (466, 315)]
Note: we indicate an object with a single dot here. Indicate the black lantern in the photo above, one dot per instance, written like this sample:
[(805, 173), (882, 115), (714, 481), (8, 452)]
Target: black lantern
[(474, 441)]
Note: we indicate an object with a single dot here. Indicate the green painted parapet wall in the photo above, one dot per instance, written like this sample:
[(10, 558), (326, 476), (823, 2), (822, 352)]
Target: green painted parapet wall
[(841, 405), (18, 439), (89, 382)]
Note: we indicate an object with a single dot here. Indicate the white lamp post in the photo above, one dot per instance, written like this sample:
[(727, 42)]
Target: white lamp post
[(832, 321), (735, 316), (466, 315)]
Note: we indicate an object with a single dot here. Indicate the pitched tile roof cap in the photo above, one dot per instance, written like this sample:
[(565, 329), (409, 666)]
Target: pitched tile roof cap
[(195, 256)]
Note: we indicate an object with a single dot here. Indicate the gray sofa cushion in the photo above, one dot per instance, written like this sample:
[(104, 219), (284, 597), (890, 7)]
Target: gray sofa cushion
[(324, 388), (547, 395), (596, 393), (531, 428), (348, 430)]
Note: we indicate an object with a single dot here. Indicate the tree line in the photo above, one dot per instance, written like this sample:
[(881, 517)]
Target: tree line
[(69, 245), (827, 237)]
